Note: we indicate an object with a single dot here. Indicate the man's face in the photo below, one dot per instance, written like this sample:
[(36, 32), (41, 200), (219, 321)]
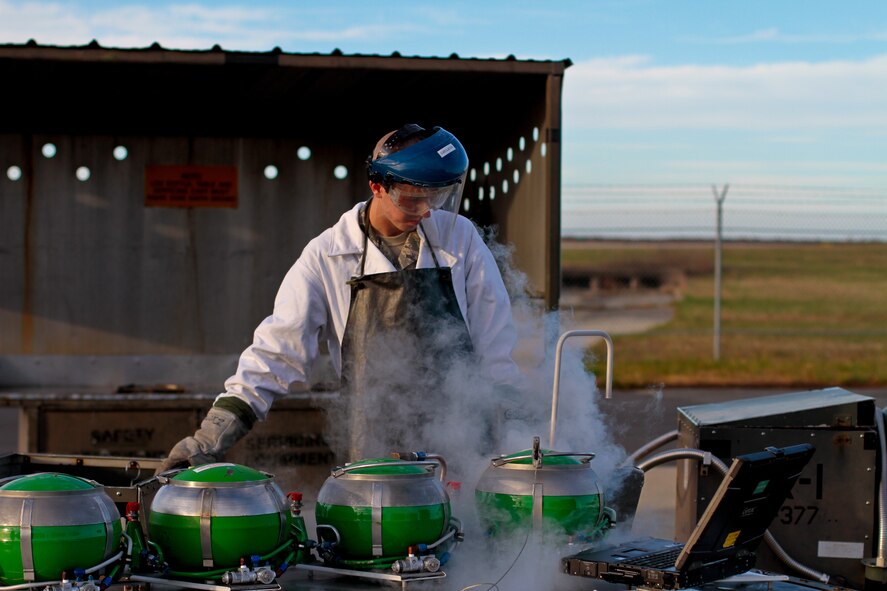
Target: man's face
[(414, 200), (389, 219)]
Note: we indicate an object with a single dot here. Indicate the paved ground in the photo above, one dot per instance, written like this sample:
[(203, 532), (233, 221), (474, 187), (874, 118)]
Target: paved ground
[(628, 313)]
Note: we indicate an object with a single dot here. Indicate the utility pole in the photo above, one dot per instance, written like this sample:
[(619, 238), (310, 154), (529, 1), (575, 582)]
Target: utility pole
[(719, 199)]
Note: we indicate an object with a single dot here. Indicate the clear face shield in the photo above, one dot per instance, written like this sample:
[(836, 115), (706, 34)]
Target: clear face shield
[(443, 204), (414, 200)]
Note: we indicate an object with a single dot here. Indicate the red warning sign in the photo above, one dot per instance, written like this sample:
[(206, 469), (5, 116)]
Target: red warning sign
[(191, 186)]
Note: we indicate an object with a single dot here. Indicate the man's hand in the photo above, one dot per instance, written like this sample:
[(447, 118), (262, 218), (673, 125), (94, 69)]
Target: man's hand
[(218, 432)]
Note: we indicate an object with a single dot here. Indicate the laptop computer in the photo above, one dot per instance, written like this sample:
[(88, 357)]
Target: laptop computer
[(724, 541)]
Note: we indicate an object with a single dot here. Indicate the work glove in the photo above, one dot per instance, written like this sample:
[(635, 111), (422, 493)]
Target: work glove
[(218, 432)]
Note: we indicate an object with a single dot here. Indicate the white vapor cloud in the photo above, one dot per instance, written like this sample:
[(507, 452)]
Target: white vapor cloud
[(630, 92)]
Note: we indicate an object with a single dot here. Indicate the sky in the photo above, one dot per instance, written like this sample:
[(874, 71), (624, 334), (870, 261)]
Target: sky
[(661, 92)]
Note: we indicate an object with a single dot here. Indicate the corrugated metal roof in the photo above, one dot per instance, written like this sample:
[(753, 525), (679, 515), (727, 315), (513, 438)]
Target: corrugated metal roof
[(94, 51)]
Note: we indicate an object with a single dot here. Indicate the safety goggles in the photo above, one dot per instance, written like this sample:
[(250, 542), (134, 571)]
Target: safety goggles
[(414, 200)]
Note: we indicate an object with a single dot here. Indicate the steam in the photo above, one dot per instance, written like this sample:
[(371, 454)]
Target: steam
[(457, 413)]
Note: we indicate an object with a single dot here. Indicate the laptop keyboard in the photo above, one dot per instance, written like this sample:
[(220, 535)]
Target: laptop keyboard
[(662, 559)]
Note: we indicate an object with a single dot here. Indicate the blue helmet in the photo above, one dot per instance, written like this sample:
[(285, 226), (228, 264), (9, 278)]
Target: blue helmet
[(420, 157)]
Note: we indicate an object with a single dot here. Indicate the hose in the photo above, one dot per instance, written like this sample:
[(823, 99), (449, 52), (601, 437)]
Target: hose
[(109, 580), (158, 551), (283, 566), (277, 550), (788, 560), (372, 562), (207, 574), (648, 447), (455, 527), (34, 584), (222, 571), (882, 492), (114, 558), (707, 458), (683, 453), (88, 571), (101, 565), (198, 575), (31, 585)]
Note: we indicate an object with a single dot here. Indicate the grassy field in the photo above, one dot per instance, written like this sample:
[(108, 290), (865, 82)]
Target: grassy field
[(799, 315)]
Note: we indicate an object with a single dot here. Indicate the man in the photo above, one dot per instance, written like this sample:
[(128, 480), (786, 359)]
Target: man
[(403, 289)]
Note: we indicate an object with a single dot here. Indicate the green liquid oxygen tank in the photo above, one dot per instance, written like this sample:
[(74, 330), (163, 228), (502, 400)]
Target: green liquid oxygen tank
[(379, 508), (52, 523), (211, 516), (556, 491)]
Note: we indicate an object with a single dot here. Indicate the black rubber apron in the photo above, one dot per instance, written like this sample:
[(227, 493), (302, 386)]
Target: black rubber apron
[(404, 333)]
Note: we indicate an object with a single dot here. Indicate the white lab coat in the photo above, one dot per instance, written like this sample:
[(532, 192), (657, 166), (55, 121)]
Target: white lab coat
[(314, 299)]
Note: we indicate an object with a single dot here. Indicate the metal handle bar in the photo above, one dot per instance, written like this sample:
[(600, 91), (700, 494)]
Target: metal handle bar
[(557, 370), (586, 457), (340, 471)]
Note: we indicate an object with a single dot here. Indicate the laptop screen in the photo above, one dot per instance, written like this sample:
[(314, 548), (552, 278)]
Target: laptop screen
[(743, 506)]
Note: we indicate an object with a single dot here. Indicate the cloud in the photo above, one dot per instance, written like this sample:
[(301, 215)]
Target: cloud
[(54, 23), (774, 35), (631, 92), (177, 26), (367, 32), (183, 26)]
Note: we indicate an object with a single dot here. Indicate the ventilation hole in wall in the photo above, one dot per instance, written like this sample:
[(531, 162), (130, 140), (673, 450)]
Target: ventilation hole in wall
[(82, 173), (48, 150), (271, 172), (14, 173), (120, 153), (521, 144), (340, 172), (303, 153)]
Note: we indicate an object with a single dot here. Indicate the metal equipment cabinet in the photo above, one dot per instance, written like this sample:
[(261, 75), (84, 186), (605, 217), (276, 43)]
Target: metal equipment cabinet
[(830, 521)]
